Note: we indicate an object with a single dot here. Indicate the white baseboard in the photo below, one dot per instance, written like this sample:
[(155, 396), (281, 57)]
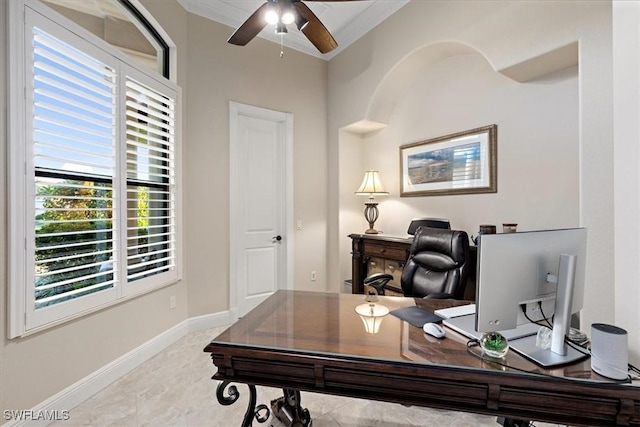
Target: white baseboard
[(83, 389), (209, 321)]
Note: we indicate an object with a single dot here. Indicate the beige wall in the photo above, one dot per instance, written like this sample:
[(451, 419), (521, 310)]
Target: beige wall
[(35, 368), (507, 34), (255, 75)]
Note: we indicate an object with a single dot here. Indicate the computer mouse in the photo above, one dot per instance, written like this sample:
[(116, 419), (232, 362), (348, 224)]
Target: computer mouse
[(434, 330)]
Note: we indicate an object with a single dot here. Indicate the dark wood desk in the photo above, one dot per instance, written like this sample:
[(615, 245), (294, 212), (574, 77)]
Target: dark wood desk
[(381, 253), (313, 341)]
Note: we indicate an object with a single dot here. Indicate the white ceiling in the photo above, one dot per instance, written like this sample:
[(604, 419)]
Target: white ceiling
[(347, 21)]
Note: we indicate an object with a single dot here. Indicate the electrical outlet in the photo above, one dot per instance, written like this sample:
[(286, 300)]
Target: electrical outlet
[(313, 276), (172, 302), (298, 225)]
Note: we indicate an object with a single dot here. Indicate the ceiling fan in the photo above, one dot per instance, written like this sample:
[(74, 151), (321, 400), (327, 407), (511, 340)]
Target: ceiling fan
[(280, 13)]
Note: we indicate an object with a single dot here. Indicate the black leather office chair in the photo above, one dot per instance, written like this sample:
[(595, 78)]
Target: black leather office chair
[(427, 222), (437, 266)]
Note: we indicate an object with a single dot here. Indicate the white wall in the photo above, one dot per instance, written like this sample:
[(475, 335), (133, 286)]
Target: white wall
[(508, 34), (537, 146), (352, 166), (626, 62)]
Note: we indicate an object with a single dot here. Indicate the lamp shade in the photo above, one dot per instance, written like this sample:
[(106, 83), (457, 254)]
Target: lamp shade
[(371, 184), (372, 315)]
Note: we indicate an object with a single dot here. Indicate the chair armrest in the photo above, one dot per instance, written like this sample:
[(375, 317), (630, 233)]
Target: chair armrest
[(377, 277), (378, 281)]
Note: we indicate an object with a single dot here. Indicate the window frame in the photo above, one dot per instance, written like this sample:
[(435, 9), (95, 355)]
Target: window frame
[(20, 166), (153, 32)]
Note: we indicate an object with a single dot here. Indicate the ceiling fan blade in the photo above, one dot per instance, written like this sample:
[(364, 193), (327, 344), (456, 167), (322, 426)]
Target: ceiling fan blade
[(315, 31), (250, 28)]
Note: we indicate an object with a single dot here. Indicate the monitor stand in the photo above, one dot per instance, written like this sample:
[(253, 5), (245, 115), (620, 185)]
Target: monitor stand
[(526, 346), (560, 353)]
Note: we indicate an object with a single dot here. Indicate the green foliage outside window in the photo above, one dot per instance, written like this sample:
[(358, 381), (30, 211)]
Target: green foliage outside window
[(73, 239)]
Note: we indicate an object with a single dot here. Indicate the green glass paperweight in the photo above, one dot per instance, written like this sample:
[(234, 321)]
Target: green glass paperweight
[(494, 344)]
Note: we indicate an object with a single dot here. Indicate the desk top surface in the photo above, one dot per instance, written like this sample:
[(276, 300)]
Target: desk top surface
[(326, 324), (406, 239)]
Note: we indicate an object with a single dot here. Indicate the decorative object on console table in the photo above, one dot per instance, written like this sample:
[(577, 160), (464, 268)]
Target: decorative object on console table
[(460, 163), (509, 227), (371, 186)]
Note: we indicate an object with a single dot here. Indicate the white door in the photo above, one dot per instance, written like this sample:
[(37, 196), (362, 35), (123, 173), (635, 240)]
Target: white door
[(261, 201)]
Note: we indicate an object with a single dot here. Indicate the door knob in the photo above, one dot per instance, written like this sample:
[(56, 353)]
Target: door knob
[(277, 238)]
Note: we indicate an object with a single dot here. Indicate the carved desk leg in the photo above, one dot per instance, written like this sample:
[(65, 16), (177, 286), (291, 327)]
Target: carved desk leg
[(260, 412), (288, 410)]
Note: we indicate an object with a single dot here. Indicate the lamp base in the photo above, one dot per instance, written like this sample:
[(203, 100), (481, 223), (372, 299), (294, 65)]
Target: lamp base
[(371, 215)]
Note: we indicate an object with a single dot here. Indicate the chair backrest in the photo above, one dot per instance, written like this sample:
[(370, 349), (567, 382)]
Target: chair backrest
[(438, 263), (427, 222)]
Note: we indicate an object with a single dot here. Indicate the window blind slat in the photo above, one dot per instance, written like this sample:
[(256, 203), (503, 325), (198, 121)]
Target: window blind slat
[(72, 269), (96, 78), (151, 121), (66, 295), (68, 80), (134, 276), (164, 145), (162, 133), (154, 109), (75, 127), (93, 97), (134, 88), (72, 257), (64, 50), (78, 116)]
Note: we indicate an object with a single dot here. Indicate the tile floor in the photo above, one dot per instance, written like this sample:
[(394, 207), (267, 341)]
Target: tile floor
[(174, 388)]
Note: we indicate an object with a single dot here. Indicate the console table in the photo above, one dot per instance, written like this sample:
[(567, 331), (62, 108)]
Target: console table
[(315, 341), (379, 253)]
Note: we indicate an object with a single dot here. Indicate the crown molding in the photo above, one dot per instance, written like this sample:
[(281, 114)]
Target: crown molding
[(230, 13)]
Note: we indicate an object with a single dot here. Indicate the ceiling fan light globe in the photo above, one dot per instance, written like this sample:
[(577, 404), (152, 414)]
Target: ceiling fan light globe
[(271, 17), (288, 18)]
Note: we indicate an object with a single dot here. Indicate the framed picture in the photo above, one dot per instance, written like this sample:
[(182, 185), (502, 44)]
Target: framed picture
[(461, 163)]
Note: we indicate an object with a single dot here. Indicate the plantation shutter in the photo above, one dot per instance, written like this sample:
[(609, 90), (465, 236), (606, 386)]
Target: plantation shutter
[(150, 166), (100, 157), (73, 131)]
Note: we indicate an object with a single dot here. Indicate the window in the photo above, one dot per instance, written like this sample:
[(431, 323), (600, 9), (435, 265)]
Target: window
[(121, 25), (98, 213)]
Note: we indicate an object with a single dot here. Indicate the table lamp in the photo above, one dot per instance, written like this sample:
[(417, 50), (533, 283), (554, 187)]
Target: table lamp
[(371, 186)]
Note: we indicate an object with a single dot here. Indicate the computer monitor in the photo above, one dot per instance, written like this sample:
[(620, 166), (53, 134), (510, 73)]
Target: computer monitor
[(541, 271)]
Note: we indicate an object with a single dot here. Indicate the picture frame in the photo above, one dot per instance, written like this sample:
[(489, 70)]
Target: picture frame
[(459, 163)]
